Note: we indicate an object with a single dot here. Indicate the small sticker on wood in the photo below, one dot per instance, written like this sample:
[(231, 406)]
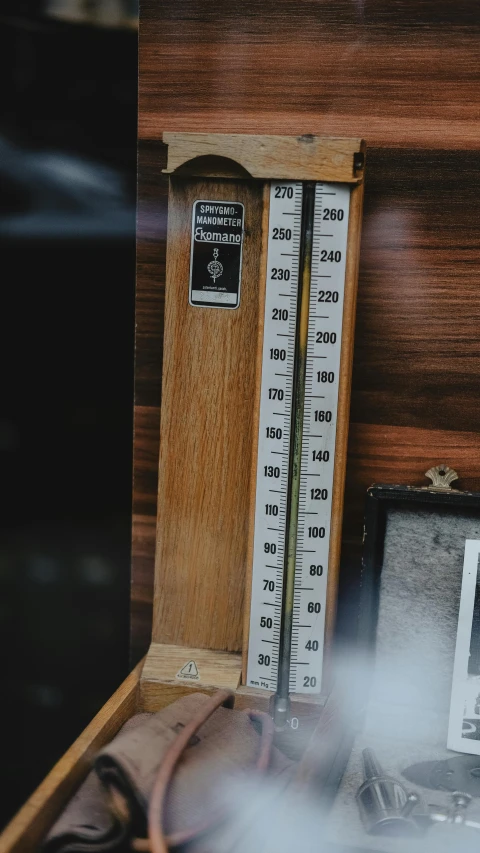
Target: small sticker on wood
[(189, 672)]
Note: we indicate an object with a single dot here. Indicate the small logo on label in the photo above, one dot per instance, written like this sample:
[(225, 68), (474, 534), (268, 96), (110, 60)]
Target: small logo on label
[(215, 268), (189, 672)]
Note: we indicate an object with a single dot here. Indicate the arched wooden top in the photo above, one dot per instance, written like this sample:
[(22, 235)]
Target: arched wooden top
[(295, 158)]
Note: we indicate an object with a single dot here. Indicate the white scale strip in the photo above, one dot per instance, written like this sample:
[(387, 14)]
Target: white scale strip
[(323, 360), (319, 433)]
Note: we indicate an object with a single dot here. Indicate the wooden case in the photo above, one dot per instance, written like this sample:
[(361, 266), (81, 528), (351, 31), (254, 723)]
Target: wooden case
[(209, 428)]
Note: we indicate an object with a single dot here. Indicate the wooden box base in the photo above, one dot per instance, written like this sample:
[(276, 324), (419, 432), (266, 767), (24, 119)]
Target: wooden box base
[(151, 686)]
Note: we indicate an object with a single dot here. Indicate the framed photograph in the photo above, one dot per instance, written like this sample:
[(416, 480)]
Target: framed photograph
[(420, 611), (464, 724)]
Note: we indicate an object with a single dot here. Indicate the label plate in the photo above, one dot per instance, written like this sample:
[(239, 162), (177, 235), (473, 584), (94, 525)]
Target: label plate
[(216, 254)]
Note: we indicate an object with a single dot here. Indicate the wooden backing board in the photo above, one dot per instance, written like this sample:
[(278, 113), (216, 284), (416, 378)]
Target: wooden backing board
[(211, 381), (343, 412), (400, 74), (206, 436)]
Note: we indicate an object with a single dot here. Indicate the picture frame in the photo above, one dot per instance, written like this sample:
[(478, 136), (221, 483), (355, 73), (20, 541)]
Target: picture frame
[(403, 663), (381, 499), (464, 723)]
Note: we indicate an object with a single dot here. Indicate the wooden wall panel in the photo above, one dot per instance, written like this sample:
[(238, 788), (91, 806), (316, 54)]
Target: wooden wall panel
[(405, 75), (417, 354), (398, 454), (395, 72)]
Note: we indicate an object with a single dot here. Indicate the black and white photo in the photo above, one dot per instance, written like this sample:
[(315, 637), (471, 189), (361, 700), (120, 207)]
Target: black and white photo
[(464, 723)]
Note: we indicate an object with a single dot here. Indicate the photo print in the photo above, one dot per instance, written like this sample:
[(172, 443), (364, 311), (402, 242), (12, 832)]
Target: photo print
[(464, 722)]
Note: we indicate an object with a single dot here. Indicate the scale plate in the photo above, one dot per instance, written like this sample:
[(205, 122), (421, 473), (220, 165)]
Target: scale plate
[(332, 202)]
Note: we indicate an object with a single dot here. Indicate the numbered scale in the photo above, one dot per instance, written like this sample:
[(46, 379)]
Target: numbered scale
[(261, 283), (306, 263)]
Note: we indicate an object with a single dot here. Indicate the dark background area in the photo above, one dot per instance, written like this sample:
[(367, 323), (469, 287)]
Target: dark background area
[(67, 228)]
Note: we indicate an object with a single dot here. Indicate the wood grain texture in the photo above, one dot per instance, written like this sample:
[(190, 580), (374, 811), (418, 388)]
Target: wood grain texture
[(403, 74), (141, 592), (206, 436), (215, 669), (417, 354), (396, 454), (293, 158), (155, 695), (396, 73), (35, 818), (343, 417), (159, 684), (149, 308)]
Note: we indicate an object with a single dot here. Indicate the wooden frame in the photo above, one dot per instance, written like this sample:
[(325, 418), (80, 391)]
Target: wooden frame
[(330, 749), (204, 545), (204, 527), (292, 158)]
